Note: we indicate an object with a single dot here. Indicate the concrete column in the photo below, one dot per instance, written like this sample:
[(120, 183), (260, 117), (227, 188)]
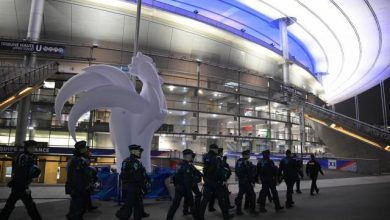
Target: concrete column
[(302, 128), (283, 23), (33, 33), (287, 130)]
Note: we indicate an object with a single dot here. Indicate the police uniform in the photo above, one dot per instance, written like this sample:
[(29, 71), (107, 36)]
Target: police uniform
[(94, 180), (225, 186), (195, 189), (184, 181), (133, 180), (214, 177), (300, 172), (312, 170), (289, 171), (244, 172), (268, 174), (23, 171), (78, 182)]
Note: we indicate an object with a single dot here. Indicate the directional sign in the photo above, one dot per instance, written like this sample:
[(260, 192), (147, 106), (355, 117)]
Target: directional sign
[(24, 46)]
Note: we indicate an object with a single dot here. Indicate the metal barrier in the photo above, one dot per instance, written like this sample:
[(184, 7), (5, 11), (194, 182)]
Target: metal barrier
[(346, 121), (14, 79)]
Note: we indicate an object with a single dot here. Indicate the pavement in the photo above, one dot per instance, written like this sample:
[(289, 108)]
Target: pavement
[(343, 197)]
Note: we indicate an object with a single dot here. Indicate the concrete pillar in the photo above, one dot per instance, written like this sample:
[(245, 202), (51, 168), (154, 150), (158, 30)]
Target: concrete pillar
[(287, 130), (302, 128), (33, 33), (283, 23)]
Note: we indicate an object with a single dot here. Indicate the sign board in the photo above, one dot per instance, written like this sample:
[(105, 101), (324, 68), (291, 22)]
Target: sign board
[(284, 88), (332, 165), (25, 46), (42, 147)]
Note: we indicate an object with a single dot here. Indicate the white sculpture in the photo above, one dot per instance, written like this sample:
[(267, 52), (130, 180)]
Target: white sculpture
[(134, 117)]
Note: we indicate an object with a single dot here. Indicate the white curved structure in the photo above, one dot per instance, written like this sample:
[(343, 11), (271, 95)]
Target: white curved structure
[(134, 118)]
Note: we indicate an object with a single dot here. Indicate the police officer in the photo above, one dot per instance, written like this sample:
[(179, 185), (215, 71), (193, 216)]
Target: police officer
[(268, 174), (23, 171), (184, 181), (300, 172), (94, 179), (78, 181), (312, 169), (228, 175), (195, 188), (215, 176), (244, 173), (133, 179), (289, 171)]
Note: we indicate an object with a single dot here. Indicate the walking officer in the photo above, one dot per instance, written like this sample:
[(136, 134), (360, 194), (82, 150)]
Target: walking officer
[(214, 177), (78, 181), (312, 170), (195, 189), (23, 171), (228, 175), (268, 174), (133, 180), (246, 182), (289, 171), (184, 180), (300, 172)]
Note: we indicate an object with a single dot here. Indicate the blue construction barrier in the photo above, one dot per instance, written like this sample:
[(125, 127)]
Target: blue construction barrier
[(108, 189)]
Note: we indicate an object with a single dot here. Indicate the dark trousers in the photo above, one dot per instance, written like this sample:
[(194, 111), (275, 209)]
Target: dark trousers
[(227, 199), (198, 197), (298, 184), (313, 184), (180, 192), (245, 187), (77, 207), (208, 190), (268, 186), (88, 201), (290, 191), (269, 195), (133, 201), (26, 198)]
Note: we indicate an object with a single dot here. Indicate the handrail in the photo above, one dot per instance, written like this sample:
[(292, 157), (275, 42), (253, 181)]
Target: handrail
[(348, 121), (28, 77)]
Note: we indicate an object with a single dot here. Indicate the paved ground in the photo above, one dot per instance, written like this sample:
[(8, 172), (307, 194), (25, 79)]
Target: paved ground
[(354, 197), (370, 201)]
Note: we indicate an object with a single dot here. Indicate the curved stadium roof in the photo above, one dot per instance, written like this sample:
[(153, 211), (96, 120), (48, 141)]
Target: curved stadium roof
[(346, 39), (349, 40)]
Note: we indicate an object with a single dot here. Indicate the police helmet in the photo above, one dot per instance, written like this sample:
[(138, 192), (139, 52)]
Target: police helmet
[(80, 145), (246, 152), (30, 143), (188, 151), (135, 147), (213, 146), (34, 172)]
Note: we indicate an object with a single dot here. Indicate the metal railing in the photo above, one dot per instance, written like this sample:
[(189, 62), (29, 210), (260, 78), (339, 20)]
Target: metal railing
[(351, 123), (13, 79)]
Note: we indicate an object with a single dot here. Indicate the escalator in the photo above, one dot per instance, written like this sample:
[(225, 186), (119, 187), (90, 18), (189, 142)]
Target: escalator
[(348, 137), (17, 82)]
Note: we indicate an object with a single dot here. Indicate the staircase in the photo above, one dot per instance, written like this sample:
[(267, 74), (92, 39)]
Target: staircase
[(17, 81)]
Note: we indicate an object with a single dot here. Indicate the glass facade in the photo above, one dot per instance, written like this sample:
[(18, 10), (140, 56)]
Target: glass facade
[(207, 104)]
